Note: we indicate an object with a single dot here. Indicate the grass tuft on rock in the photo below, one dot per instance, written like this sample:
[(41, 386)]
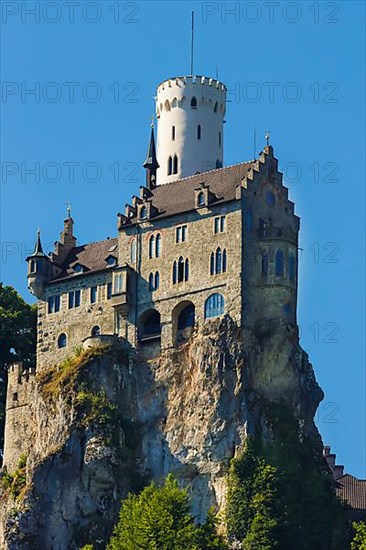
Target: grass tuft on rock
[(53, 380)]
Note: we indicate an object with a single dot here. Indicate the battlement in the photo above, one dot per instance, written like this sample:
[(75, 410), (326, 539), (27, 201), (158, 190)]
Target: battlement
[(191, 80)]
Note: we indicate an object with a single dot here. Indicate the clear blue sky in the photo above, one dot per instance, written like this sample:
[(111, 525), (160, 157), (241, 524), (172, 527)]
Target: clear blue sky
[(295, 69)]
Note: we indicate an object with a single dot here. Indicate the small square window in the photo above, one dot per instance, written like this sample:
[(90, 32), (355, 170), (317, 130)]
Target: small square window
[(181, 234), (219, 224)]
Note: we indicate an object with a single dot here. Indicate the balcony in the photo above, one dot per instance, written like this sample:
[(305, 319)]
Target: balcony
[(277, 233), (121, 302)]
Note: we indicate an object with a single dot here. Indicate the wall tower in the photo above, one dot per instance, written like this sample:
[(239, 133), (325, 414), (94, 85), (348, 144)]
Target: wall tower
[(190, 112)]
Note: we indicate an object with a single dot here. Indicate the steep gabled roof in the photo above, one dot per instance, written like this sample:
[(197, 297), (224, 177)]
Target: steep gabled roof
[(179, 196), (92, 256)]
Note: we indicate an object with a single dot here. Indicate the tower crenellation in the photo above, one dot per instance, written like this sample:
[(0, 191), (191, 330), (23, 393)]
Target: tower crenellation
[(190, 111)]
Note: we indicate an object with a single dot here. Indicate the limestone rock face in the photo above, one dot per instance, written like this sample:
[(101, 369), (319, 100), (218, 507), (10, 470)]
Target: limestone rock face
[(186, 411)]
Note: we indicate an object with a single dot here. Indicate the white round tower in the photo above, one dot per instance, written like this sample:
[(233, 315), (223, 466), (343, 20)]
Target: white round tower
[(190, 112)]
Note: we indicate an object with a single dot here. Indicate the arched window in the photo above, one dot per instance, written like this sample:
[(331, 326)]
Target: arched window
[(214, 305), (173, 133), (62, 340), (186, 317), (133, 251), (291, 267), (175, 164), (212, 264), (186, 270), (215, 107), (174, 103), (151, 281), (157, 280), (151, 246), (150, 325), (95, 331), (180, 270), (264, 263), (193, 103), (167, 105), (33, 266), (158, 245), (279, 263), (224, 260), (199, 131), (218, 268), (170, 166), (175, 273), (201, 199), (143, 213)]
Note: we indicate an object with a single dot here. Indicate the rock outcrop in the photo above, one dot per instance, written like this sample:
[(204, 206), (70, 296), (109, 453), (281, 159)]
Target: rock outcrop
[(115, 421)]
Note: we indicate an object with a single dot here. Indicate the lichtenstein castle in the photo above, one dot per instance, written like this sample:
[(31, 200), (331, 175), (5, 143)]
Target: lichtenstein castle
[(199, 240)]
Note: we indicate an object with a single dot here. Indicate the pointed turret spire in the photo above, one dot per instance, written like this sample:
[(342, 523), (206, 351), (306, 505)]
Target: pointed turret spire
[(38, 250), (151, 163)]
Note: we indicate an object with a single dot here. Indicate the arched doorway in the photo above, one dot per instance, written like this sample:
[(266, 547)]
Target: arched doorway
[(183, 321), (149, 326)]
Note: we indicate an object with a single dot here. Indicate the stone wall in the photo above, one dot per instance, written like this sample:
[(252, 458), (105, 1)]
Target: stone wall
[(18, 418), (77, 322), (201, 241)]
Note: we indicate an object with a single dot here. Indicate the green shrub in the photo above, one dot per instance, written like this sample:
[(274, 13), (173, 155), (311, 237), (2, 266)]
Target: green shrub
[(16, 482), (359, 540), (158, 519), (96, 408)]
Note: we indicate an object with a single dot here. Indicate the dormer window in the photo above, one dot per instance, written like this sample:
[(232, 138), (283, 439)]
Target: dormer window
[(143, 213), (201, 199), (78, 268), (111, 261)]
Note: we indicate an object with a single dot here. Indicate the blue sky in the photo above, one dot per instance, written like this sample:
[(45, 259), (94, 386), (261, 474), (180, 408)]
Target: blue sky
[(295, 68)]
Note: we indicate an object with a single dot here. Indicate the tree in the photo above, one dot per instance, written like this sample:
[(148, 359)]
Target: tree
[(359, 540), (158, 519), (17, 339), (252, 511)]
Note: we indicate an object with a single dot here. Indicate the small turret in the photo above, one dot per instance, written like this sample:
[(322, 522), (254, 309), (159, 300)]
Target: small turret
[(39, 268), (67, 240), (151, 164)]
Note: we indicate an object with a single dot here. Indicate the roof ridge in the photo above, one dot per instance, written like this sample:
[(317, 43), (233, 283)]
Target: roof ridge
[(97, 242), (208, 172)]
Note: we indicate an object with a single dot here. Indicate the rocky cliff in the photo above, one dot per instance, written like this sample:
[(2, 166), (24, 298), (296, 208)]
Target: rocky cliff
[(108, 421)]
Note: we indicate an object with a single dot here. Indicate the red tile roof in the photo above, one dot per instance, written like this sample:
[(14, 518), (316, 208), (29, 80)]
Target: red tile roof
[(352, 490)]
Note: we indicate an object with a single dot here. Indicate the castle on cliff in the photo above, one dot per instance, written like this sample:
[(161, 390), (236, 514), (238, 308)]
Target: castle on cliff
[(200, 240)]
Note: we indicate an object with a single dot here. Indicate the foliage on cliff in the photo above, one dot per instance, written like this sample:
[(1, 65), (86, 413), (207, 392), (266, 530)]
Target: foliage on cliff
[(359, 540), (17, 339), (159, 518), (14, 483), (64, 376), (252, 511), (279, 492)]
